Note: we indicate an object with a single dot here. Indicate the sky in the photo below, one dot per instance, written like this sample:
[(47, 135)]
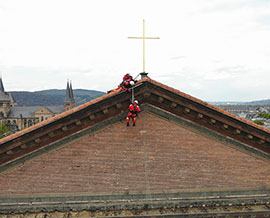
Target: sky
[(214, 50)]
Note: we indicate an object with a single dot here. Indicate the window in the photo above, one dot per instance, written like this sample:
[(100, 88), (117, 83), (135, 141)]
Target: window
[(29, 122)]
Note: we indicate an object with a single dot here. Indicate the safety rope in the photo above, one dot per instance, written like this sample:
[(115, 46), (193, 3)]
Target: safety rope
[(137, 76), (132, 90), (132, 94)]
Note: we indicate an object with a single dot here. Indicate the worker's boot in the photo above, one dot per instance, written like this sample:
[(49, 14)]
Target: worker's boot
[(134, 124), (127, 124)]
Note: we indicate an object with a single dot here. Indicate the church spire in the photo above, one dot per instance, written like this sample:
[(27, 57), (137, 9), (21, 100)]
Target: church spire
[(69, 93), (69, 100), (1, 85), (71, 96), (13, 103)]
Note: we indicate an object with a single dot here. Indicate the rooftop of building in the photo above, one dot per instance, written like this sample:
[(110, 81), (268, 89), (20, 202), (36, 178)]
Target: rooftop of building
[(184, 157), (147, 79), (29, 112)]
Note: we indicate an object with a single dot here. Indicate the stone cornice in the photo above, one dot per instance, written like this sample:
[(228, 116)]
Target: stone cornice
[(179, 203)]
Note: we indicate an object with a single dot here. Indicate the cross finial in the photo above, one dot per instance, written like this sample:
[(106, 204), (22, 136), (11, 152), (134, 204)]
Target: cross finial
[(143, 38)]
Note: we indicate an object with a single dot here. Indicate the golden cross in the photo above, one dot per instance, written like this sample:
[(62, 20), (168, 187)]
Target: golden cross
[(143, 37)]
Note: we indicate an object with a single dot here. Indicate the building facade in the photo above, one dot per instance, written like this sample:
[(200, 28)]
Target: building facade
[(184, 158), (18, 118)]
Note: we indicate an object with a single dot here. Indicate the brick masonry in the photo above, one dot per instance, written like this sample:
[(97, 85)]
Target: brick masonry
[(155, 155)]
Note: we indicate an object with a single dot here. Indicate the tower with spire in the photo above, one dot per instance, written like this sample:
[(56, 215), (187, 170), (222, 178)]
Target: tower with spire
[(6, 101), (69, 100), (20, 117)]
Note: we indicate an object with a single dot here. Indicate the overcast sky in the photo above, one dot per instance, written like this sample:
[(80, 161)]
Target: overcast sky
[(215, 50)]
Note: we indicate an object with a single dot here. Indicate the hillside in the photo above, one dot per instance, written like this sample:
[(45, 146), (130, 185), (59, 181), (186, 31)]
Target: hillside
[(266, 101), (257, 102), (53, 97)]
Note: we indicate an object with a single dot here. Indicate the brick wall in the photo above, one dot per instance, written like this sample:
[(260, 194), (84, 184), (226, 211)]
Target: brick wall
[(154, 155)]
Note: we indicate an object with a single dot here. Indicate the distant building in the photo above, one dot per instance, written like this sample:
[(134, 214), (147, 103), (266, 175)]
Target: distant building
[(18, 118), (249, 112)]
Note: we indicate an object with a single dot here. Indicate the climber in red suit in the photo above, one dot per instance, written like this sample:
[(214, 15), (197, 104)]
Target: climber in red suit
[(134, 109), (126, 84), (127, 77)]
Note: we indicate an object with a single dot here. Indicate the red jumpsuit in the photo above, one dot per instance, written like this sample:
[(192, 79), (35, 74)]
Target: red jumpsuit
[(125, 84), (127, 76), (134, 109)]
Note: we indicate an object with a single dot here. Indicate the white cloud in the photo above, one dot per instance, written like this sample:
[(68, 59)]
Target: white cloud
[(216, 45)]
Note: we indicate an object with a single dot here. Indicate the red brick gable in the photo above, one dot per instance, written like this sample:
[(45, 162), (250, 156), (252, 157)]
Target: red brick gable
[(156, 155)]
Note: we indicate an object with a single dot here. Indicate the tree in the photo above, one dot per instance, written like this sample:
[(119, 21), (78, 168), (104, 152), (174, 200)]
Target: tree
[(259, 122), (4, 130), (265, 115)]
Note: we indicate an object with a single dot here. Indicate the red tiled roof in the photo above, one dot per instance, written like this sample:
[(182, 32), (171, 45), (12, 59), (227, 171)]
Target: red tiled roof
[(66, 113), (207, 104), (57, 117)]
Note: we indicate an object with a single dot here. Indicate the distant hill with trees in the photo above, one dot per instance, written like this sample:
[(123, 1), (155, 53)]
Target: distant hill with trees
[(53, 97), (258, 102), (266, 101)]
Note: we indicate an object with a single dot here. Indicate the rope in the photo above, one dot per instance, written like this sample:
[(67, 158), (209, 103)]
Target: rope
[(132, 94), (137, 76)]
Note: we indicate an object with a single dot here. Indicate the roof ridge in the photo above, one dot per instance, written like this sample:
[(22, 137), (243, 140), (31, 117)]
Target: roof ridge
[(208, 105), (80, 107)]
